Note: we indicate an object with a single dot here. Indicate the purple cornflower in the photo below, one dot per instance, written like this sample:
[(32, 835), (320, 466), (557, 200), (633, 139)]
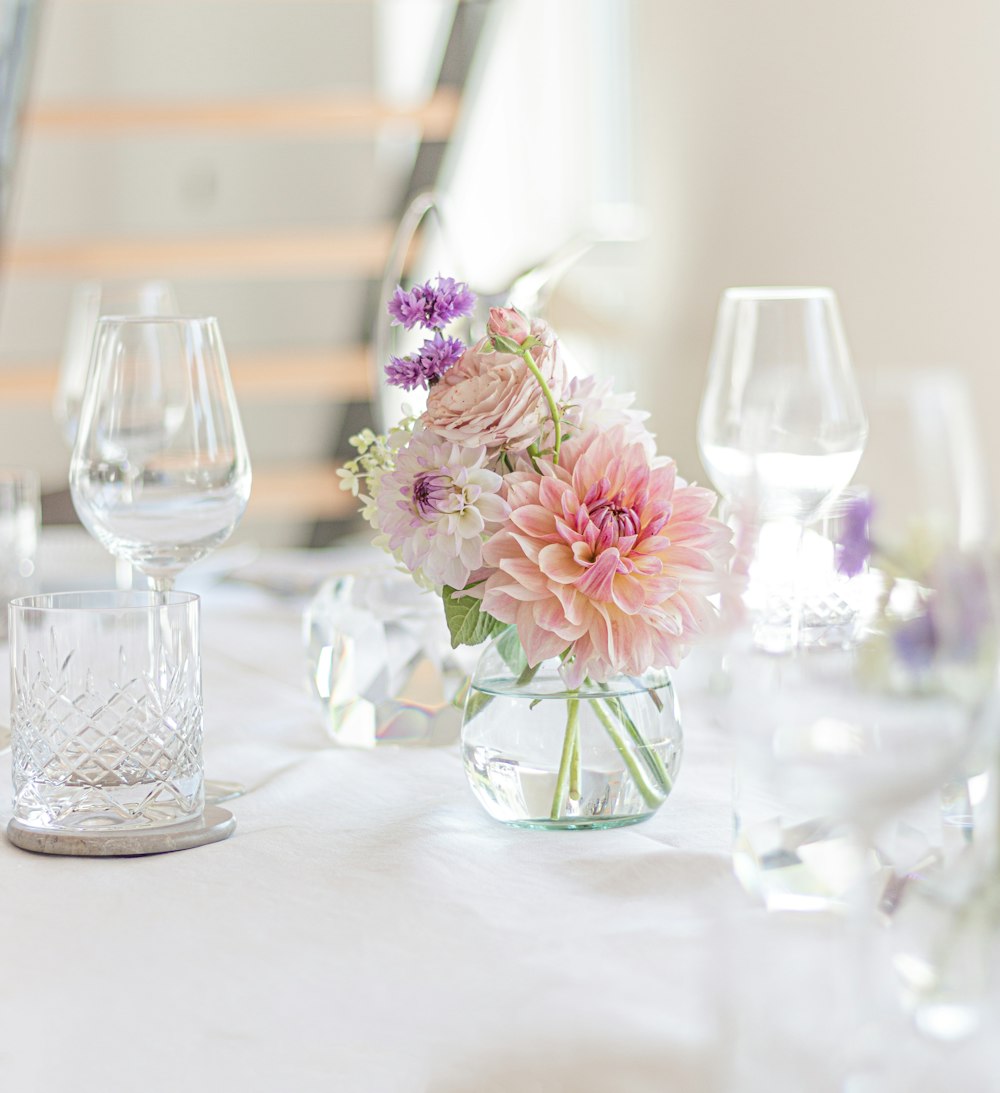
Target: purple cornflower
[(438, 354), (405, 372), (407, 308), (433, 306), (427, 365), (854, 547)]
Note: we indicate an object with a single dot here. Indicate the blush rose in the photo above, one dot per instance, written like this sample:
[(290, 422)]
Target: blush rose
[(493, 398)]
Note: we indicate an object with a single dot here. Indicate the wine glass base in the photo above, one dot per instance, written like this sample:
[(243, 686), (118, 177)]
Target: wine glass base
[(216, 791)]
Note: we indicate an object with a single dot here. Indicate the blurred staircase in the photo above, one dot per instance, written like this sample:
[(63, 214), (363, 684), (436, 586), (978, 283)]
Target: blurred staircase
[(258, 154)]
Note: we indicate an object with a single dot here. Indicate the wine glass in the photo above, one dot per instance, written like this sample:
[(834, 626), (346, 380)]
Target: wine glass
[(781, 423), (160, 473), (91, 300), (840, 739), (780, 431)]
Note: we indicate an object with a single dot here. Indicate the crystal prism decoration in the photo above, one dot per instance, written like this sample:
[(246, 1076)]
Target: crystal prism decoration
[(381, 662)]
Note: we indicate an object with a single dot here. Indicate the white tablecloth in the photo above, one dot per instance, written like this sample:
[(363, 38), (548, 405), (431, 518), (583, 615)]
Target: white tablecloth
[(368, 927)]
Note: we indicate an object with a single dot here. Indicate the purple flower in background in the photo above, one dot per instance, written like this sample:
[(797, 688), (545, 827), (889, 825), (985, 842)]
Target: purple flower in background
[(955, 620), (431, 305), (426, 366), (853, 548), (916, 641)]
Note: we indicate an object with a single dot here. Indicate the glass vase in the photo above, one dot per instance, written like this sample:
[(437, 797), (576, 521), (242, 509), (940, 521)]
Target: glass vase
[(542, 755)]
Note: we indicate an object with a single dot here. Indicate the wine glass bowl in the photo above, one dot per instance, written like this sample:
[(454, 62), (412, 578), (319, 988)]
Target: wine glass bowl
[(160, 473), (781, 427)]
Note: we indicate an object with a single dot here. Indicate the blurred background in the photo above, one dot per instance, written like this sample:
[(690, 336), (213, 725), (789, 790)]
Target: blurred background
[(631, 157)]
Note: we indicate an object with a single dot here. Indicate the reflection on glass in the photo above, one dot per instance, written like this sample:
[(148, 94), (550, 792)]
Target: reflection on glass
[(91, 301)]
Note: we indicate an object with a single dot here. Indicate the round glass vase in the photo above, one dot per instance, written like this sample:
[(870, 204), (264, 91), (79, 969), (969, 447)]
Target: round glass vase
[(539, 754)]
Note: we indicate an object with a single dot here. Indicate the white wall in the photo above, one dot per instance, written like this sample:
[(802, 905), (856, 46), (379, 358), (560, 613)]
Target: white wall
[(843, 142), (522, 178)]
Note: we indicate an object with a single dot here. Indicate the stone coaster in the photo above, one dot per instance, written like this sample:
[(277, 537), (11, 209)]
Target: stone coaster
[(214, 825)]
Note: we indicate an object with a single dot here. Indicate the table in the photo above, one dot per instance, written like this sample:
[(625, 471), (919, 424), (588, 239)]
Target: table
[(368, 927)]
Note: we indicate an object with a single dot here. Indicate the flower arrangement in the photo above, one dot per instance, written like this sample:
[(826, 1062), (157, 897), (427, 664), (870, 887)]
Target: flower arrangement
[(532, 498)]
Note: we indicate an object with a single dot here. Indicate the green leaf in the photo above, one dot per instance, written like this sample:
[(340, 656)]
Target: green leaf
[(510, 648), (467, 622)]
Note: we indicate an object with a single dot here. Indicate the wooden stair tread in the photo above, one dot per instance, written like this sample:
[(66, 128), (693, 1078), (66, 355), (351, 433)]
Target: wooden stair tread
[(341, 374), (343, 114), (358, 252), (304, 491)]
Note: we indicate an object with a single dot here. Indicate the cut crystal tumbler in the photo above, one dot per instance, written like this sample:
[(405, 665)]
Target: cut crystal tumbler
[(106, 710)]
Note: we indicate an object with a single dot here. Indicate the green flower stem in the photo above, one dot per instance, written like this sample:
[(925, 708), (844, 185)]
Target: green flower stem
[(652, 757), (571, 741), (477, 701), (528, 673), (650, 795), (574, 768), (529, 360)]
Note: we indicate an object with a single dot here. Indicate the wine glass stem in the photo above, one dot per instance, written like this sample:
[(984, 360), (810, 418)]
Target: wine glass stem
[(800, 591), (160, 584)]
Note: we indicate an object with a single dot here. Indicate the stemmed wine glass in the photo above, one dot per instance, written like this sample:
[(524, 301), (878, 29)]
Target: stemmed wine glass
[(91, 300), (160, 473), (781, 427)]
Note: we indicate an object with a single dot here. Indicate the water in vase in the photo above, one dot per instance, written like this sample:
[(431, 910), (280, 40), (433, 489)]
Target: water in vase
[(629, 755)]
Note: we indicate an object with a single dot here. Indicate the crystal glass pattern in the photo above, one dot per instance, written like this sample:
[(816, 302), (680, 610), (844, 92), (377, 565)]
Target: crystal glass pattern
[(794, 583), (524, 731), (106, 710)]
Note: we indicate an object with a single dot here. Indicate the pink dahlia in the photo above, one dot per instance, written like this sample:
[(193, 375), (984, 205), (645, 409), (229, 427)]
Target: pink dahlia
[(606, 556), (436, 507)]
